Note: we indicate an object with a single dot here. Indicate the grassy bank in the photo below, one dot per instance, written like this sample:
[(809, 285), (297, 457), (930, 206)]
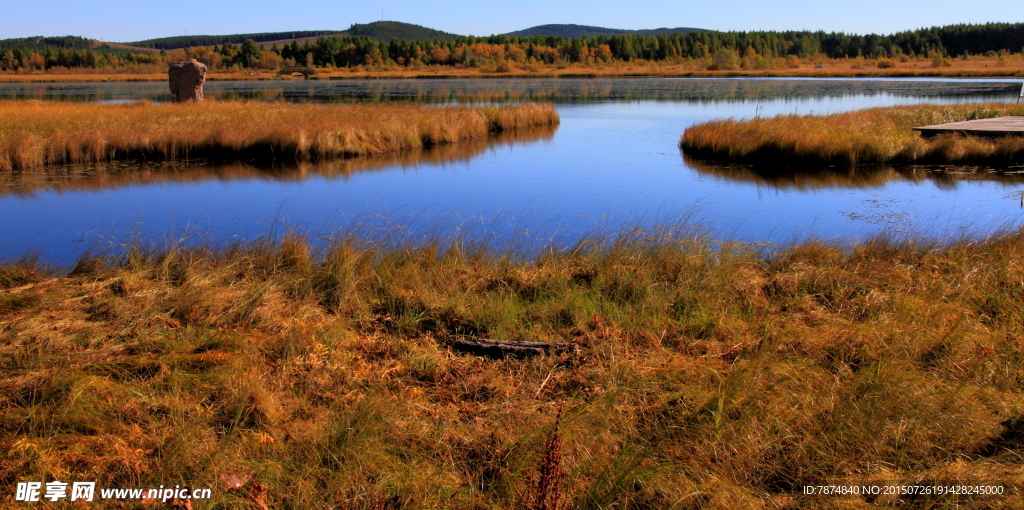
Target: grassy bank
[(34, 134), (975, 66), (872, 136), (706, 377), (115, 174)]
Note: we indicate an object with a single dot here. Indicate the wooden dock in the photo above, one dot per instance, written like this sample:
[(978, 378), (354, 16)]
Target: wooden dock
[(999, 126)]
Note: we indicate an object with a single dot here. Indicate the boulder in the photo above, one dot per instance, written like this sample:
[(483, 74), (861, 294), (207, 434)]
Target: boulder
[(186, 80)]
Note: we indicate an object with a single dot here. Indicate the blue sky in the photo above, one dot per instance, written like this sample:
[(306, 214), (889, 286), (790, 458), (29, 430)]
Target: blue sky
[(129, 21)]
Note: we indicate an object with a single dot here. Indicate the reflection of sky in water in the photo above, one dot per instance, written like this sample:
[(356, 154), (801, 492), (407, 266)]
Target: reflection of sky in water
[(607, 163)]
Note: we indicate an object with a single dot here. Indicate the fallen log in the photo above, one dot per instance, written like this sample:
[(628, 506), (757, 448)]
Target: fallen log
[(504, 348)]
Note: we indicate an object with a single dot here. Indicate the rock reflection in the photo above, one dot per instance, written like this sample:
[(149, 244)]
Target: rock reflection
[(943, 177), (116, 174)]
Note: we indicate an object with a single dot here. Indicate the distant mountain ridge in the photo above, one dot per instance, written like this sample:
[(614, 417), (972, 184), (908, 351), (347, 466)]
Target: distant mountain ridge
[(378, 30), (388, 30), (185, 41), (67, 42), (569, 31)]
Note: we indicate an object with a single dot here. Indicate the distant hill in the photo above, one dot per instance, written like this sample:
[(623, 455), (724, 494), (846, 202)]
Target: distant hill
[(588, 31), (379, 30), (388, 30), (67, 42), (185, 41)]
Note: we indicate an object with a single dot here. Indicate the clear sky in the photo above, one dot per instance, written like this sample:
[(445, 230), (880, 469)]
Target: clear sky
[(120, 21)]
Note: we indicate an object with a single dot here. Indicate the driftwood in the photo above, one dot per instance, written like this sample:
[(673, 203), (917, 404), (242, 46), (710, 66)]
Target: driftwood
[(505, 348)]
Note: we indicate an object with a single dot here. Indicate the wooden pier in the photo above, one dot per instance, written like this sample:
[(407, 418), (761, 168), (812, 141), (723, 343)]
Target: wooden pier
[(999, 126)]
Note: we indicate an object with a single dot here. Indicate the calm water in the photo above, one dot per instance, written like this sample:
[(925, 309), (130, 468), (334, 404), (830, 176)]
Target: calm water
[(613, 162)]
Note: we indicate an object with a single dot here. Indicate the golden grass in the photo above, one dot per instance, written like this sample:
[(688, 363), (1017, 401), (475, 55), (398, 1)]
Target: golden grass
[(34, 133), (976, 66), (872, 136), (707, 377), (107, 175)]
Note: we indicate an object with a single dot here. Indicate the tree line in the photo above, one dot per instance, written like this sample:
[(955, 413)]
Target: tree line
[(188, 41), (351, 51), (953, 40)]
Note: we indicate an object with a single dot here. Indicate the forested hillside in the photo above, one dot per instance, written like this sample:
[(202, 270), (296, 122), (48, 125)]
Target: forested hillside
[(388, 30), (68, 42), (378, 30), (402, 44), (186, 41), (586, 31), (953, 40)]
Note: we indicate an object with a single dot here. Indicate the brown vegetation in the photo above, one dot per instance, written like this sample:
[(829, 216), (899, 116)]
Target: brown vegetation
[(817, 68), (114, 174), (706, 377), (872, 136), (34, 133)]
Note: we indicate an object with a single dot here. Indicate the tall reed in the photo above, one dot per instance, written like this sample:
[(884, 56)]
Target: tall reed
[(112, 174), (872, 136), (34, 133)]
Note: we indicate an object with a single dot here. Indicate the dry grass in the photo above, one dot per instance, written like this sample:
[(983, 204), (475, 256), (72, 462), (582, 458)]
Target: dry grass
[(707, 378), (976, 66), (34, 133), (872, 136), (107, 175)]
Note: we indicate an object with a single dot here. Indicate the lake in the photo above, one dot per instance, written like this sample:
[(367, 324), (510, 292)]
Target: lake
[(612, 165)]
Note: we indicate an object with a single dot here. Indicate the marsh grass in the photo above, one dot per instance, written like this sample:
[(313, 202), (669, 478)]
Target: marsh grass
[(708, 377), (35, 133), (865, 137), (114, 174)]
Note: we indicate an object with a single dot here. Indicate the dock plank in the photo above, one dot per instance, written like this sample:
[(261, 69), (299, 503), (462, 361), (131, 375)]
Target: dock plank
[(999, 126)]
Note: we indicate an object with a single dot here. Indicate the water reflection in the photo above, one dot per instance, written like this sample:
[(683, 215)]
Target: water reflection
[(804, 179), (497, 90), (110, 175), (118, 174), (612, 164)]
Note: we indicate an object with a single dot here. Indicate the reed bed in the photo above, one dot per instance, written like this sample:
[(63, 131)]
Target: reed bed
[(115, 174), (707, 376), (34, 134), (866, 137)]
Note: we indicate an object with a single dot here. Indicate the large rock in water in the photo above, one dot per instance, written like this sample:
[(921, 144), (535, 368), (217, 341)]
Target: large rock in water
[(186, 80)]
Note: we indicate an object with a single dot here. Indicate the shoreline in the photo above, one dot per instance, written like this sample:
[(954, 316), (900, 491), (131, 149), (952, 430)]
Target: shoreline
[(565, 73), (862, 137), (38, 134)]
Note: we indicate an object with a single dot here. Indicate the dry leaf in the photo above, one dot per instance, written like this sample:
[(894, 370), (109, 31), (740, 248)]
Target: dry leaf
[(257, 492)]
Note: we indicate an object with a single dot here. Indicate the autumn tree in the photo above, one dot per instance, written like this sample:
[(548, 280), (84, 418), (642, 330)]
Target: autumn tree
[(249, 55)]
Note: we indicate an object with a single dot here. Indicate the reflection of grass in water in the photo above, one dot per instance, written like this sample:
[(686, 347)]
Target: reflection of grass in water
[(717, 376), (872, 136), (470, 91), (862, 176), (35, 134), (124, 173)]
